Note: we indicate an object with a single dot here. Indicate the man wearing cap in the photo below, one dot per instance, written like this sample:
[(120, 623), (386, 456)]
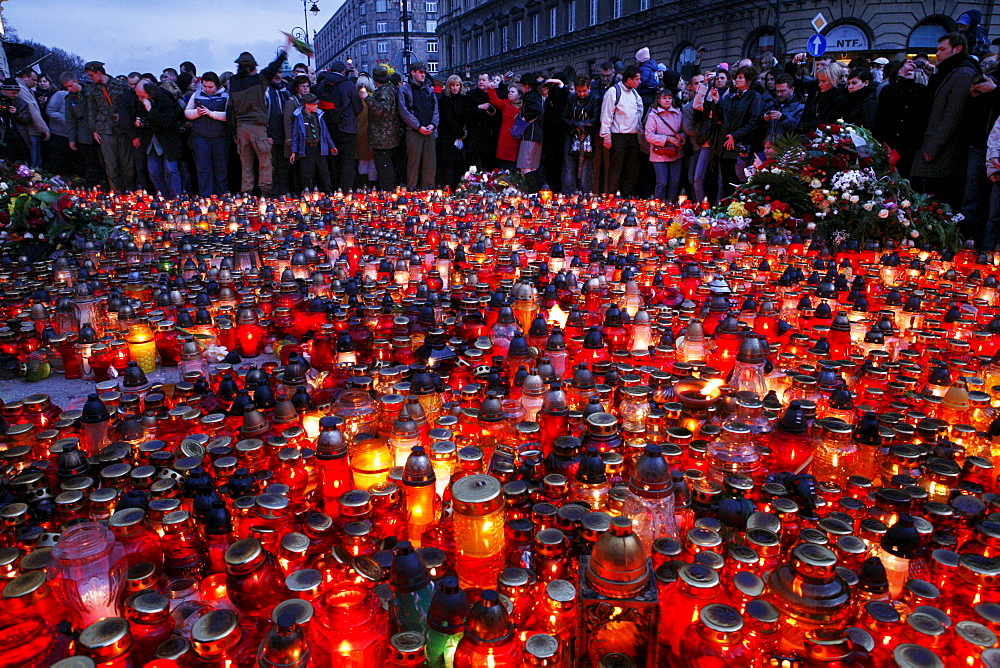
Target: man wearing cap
[(311, 143), (968, 24), (112, 108), (878, 66), (247, 113), (14, 116), (419, 110), (341, 106)]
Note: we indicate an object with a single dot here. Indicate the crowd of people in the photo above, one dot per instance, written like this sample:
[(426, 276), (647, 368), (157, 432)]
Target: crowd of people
[(640, 129)]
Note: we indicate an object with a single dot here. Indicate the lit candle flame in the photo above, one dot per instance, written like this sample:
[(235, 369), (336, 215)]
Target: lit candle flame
[(711, 386)]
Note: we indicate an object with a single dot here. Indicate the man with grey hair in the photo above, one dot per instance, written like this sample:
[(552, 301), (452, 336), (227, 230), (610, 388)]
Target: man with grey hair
[(38, 130)]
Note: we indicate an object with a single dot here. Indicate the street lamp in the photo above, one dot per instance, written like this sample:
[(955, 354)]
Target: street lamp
[(306, 10), (407, 50)]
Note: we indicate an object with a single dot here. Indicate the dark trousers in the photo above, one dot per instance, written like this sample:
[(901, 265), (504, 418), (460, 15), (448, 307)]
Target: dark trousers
[(86, 162), (281, 168), (602, 161), (344, 165), (623, 169), (58, 159), (211, 159), (311, 164), (385, 169)]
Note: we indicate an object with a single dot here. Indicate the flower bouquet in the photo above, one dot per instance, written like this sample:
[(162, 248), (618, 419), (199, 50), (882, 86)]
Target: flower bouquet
[(501, 182), (39, 215), (839, 183)]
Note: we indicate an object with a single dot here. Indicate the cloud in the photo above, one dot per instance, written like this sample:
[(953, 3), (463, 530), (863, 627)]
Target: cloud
[(148, 35)]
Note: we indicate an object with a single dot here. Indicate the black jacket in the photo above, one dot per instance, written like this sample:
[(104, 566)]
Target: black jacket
[(340, 91), (739, 115), (483, 125), (452, 112), (163, 121), (532, 107), (825, 107), (861, 107), (901, 117), (583, 114)]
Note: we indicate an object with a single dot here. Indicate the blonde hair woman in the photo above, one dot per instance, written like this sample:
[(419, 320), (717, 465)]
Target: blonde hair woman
[(451, 133)]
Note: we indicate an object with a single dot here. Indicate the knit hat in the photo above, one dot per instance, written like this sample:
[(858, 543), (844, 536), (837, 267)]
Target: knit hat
[(380, 74), (642, 55), (309, 98)]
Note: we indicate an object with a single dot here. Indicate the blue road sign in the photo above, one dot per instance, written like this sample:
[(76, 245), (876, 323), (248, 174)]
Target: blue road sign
[(816, 45)]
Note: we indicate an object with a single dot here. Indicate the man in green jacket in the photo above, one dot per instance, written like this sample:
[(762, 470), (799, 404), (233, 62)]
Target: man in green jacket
[(112, 108), (247, 113)]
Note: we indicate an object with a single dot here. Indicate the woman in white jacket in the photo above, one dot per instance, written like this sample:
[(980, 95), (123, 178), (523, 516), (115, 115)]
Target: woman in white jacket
[(665, 134)]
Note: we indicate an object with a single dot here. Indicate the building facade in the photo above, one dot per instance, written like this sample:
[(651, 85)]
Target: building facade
[(371, 31), (528, 35)]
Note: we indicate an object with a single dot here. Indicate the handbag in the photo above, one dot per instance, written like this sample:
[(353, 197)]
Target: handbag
[(668, 150), (581, 145), (520, 125)]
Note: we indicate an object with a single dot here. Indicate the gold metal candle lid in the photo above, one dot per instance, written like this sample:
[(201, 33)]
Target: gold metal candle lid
[(243, 552), (75, 662), (305, 580), (24, 585), (477, 494), (909, 655), (618, 567), (540, 647), (215, 632), (303, 611), (106, 638)]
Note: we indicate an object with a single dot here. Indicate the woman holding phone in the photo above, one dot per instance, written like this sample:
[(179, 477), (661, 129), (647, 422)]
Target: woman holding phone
[(207, 109)]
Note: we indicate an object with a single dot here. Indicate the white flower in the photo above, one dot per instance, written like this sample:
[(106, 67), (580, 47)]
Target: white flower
[(905, 223), (767, 187), (914, 234), (4, 186), (855, 199), (905, 204), (810, 226), (217, 353), (815, 183), (831, 198), (868, 206), (884, 213), (958, 218), (473, 169)]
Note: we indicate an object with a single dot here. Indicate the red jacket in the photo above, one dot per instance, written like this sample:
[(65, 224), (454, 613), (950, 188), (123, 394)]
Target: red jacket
[(507, 146)]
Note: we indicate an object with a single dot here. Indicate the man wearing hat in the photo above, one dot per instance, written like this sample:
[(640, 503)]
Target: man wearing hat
[(311, 143), (968, 24), (383, 126), (341, 106), (112, 108), (419, 110), (248, 115), (878, 67), (14, 114)]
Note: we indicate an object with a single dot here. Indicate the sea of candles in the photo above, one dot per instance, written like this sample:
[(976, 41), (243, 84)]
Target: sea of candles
[(452, 430)]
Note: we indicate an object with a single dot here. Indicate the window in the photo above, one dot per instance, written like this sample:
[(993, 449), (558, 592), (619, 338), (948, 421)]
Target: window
[(479, 46), (431, 7), (468, 50), (364, 48), (432, 25), (571, 16), (432, 47), (364, 9), (504, 44), (534, 28), (493, 44), (643, 5), (925, 36), (432, 67), (616, 9), (517, 34), (381, 26), (382, 47), (380, 6), (593, 12), (553, 21), (364, 28)]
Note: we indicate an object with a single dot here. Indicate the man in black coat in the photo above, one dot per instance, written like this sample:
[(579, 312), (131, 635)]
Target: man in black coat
[(341, 105), (483, 124)]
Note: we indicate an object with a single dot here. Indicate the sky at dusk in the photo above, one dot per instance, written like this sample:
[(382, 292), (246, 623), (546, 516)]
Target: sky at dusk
[(148, 35)]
